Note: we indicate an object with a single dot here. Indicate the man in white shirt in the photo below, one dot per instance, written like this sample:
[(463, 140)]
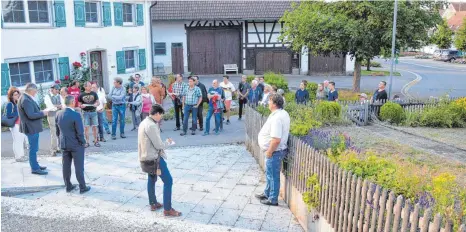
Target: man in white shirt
[(63, 94), (228, 89), (100, 111), (53, 104), (273, 138)]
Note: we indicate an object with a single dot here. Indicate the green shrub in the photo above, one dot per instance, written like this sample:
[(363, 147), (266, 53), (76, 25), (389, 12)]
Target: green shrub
[(302, 119), (250, 78), (169, 115), (312, 89), (373, 64), (277, 80), (445, 115), (412, 119), (263, 110), (290, 96), (392, 112), (328, 112)]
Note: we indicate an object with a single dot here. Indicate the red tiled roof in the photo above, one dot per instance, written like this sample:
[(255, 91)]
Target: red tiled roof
[(456, 21), (459, 6)]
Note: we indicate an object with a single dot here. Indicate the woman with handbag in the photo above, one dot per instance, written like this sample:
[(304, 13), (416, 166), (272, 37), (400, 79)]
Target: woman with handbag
[(12, 115), (152, 160)]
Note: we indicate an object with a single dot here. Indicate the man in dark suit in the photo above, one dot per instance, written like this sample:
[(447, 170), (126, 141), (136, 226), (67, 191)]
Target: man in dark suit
[(70, 133), (30, 117)]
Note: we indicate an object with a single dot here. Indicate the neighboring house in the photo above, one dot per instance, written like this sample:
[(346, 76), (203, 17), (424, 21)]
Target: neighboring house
[(41, 40), (202, 36)]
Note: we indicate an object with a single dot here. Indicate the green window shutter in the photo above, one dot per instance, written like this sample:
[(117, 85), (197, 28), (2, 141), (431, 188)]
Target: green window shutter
[(106, 14), (60, 16), (118, 13), (79, 13), (140, 14), (142, 59), (120, 60), (5, 78), (64, 67)]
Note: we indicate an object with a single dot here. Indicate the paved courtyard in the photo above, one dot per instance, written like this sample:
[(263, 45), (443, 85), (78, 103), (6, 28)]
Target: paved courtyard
[(212, 185)]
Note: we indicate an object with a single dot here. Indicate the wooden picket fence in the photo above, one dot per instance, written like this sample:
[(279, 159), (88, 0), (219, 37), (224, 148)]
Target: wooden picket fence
[(347, 202)]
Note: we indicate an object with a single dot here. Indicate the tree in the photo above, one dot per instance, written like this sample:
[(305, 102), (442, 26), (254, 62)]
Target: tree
[(460, 38), (362, 29), (443, 36)]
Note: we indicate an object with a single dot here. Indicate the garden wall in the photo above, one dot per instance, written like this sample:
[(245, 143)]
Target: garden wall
[(345, 202)]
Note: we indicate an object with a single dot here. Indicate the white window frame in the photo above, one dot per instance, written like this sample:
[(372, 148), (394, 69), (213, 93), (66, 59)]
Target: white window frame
[(136, 59), (133, 14), (99, 14), (31, 60), (27, 23)]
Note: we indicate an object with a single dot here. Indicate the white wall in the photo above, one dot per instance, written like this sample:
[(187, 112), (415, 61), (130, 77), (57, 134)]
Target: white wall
[(70, 41), (254, 38), (349, 64), (170, 32)]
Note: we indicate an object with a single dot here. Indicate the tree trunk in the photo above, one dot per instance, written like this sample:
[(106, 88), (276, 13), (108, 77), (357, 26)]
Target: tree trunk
[(357, 76), (368, 64)]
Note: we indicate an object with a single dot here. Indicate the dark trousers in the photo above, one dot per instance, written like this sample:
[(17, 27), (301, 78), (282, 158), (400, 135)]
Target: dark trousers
[(178, 113), (78, 157), (100, 118), (242, 102), (199, 115)]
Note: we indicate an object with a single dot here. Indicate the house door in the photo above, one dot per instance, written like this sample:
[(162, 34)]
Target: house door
[(96, 68), (177, 58)]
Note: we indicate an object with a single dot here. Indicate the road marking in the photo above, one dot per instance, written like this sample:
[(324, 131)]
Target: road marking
[(410, 84), (434, 67)]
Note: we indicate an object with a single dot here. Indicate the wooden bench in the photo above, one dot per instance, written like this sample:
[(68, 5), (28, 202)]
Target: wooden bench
[(230, 68)]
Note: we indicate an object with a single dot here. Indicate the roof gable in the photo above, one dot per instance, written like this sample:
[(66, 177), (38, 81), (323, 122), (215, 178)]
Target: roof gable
[(219, 10)]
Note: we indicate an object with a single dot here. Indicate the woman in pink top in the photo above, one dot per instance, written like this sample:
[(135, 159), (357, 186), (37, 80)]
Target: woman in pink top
[(147, 101)]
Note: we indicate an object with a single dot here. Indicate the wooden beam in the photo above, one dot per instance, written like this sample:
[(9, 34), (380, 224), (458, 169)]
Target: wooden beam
[(265, 32), (273, 28), (191, 24), (257, 32), (205, 23), (246, 29)]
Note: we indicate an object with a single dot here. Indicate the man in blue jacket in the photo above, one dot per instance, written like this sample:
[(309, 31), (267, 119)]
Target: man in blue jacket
[(30, 117), (70, 133)]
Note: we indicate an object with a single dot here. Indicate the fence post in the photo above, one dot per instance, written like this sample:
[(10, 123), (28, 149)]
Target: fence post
[(425, 220), (382, 208), (375, 208), (405, 216), (415, 218), (366, 113), (388, 218), (397, 211)]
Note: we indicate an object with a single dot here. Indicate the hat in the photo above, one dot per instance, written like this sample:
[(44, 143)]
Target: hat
[(55, 86), (362, 95)]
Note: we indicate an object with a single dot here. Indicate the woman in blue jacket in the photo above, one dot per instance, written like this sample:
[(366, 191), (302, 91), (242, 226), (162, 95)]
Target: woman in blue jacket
[(11, 112)]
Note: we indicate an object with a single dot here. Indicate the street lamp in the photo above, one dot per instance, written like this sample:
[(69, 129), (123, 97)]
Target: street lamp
[(393, 49)]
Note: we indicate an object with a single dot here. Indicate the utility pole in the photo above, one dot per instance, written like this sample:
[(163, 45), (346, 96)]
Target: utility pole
[(393, 50)]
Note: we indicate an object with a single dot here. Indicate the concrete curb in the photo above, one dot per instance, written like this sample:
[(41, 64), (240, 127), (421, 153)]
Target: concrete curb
[(14, 191), (410, 84)]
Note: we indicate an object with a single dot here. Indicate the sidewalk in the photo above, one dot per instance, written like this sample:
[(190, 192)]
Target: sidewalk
[(212, 185)]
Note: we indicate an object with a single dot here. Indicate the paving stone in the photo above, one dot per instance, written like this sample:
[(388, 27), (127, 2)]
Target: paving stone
[(211, 176), (225, 217), (247, 223), (204, 186), (192, 197), (199, 217), (227, 183), (220, 169), (253, 211), (295, 226), (235, 202), (208, 206), (250, 180), (218, 193), (189, 179), (243, 190)]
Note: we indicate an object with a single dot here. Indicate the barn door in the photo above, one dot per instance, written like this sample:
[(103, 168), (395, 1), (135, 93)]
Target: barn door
[(177, 58), (273, 60)]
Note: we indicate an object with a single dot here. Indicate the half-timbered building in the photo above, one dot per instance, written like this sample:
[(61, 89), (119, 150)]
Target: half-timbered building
[(202, 36)]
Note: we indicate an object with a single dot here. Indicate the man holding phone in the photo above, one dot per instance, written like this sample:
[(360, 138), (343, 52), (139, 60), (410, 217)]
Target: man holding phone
[(228, 89)]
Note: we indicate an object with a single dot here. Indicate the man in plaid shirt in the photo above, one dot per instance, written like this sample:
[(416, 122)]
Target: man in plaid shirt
[(192, 98), (179, 89)]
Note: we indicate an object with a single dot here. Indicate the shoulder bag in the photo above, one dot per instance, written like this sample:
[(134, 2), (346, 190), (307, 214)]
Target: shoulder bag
[(9, 122)]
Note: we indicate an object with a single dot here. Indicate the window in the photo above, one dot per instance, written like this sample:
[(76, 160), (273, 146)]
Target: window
[(130, 59), (160, 49), (20, 74), (128, 13), (92, 14), (43, 71), (37, 71), (177, 45), (25, 12)]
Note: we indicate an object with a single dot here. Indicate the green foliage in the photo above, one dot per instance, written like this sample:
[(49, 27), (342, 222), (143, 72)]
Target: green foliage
[(445, 115), (412, 119), (277, 80), (460, 38), (373, 64), (302, 119), (311, 198), (392, 112), (263, 110), (312, 89), (328, 112), (81, 74), (361, 28), (290, 96), (250, 78), (169, 115), (443, 36)]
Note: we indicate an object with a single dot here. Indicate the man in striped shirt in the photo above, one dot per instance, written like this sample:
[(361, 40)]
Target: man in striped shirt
[(179, 89)]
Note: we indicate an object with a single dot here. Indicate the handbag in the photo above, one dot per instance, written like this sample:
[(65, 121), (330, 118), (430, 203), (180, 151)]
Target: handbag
[(8, 122)]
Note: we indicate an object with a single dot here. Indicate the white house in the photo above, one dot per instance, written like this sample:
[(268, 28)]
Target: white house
[(202, 36), (42, 39)]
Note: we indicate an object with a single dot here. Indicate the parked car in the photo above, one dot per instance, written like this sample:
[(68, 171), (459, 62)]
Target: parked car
[(449, 55), (437, 54)]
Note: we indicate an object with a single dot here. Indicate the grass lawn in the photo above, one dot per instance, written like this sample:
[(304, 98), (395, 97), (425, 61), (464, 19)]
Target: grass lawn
[(378, 73)]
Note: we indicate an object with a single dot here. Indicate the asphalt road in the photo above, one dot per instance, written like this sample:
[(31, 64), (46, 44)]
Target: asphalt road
[(438, 78)]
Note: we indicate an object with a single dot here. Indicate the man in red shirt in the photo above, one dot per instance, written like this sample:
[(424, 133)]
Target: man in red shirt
[(75, 91)]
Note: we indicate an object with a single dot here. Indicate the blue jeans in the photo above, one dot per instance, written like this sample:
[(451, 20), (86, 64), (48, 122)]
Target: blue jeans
[(167, 186), (105, 121), (217, 117), (100, 117), (33, 149), (118, 111), (186, 110), (272, 174)]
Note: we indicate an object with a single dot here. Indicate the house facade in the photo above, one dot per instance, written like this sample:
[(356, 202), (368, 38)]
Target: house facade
[(42, 39), (202, 36)]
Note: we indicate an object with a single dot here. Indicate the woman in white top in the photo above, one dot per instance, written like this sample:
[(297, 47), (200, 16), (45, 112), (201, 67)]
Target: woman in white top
[(265, 98), (101, 113)]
